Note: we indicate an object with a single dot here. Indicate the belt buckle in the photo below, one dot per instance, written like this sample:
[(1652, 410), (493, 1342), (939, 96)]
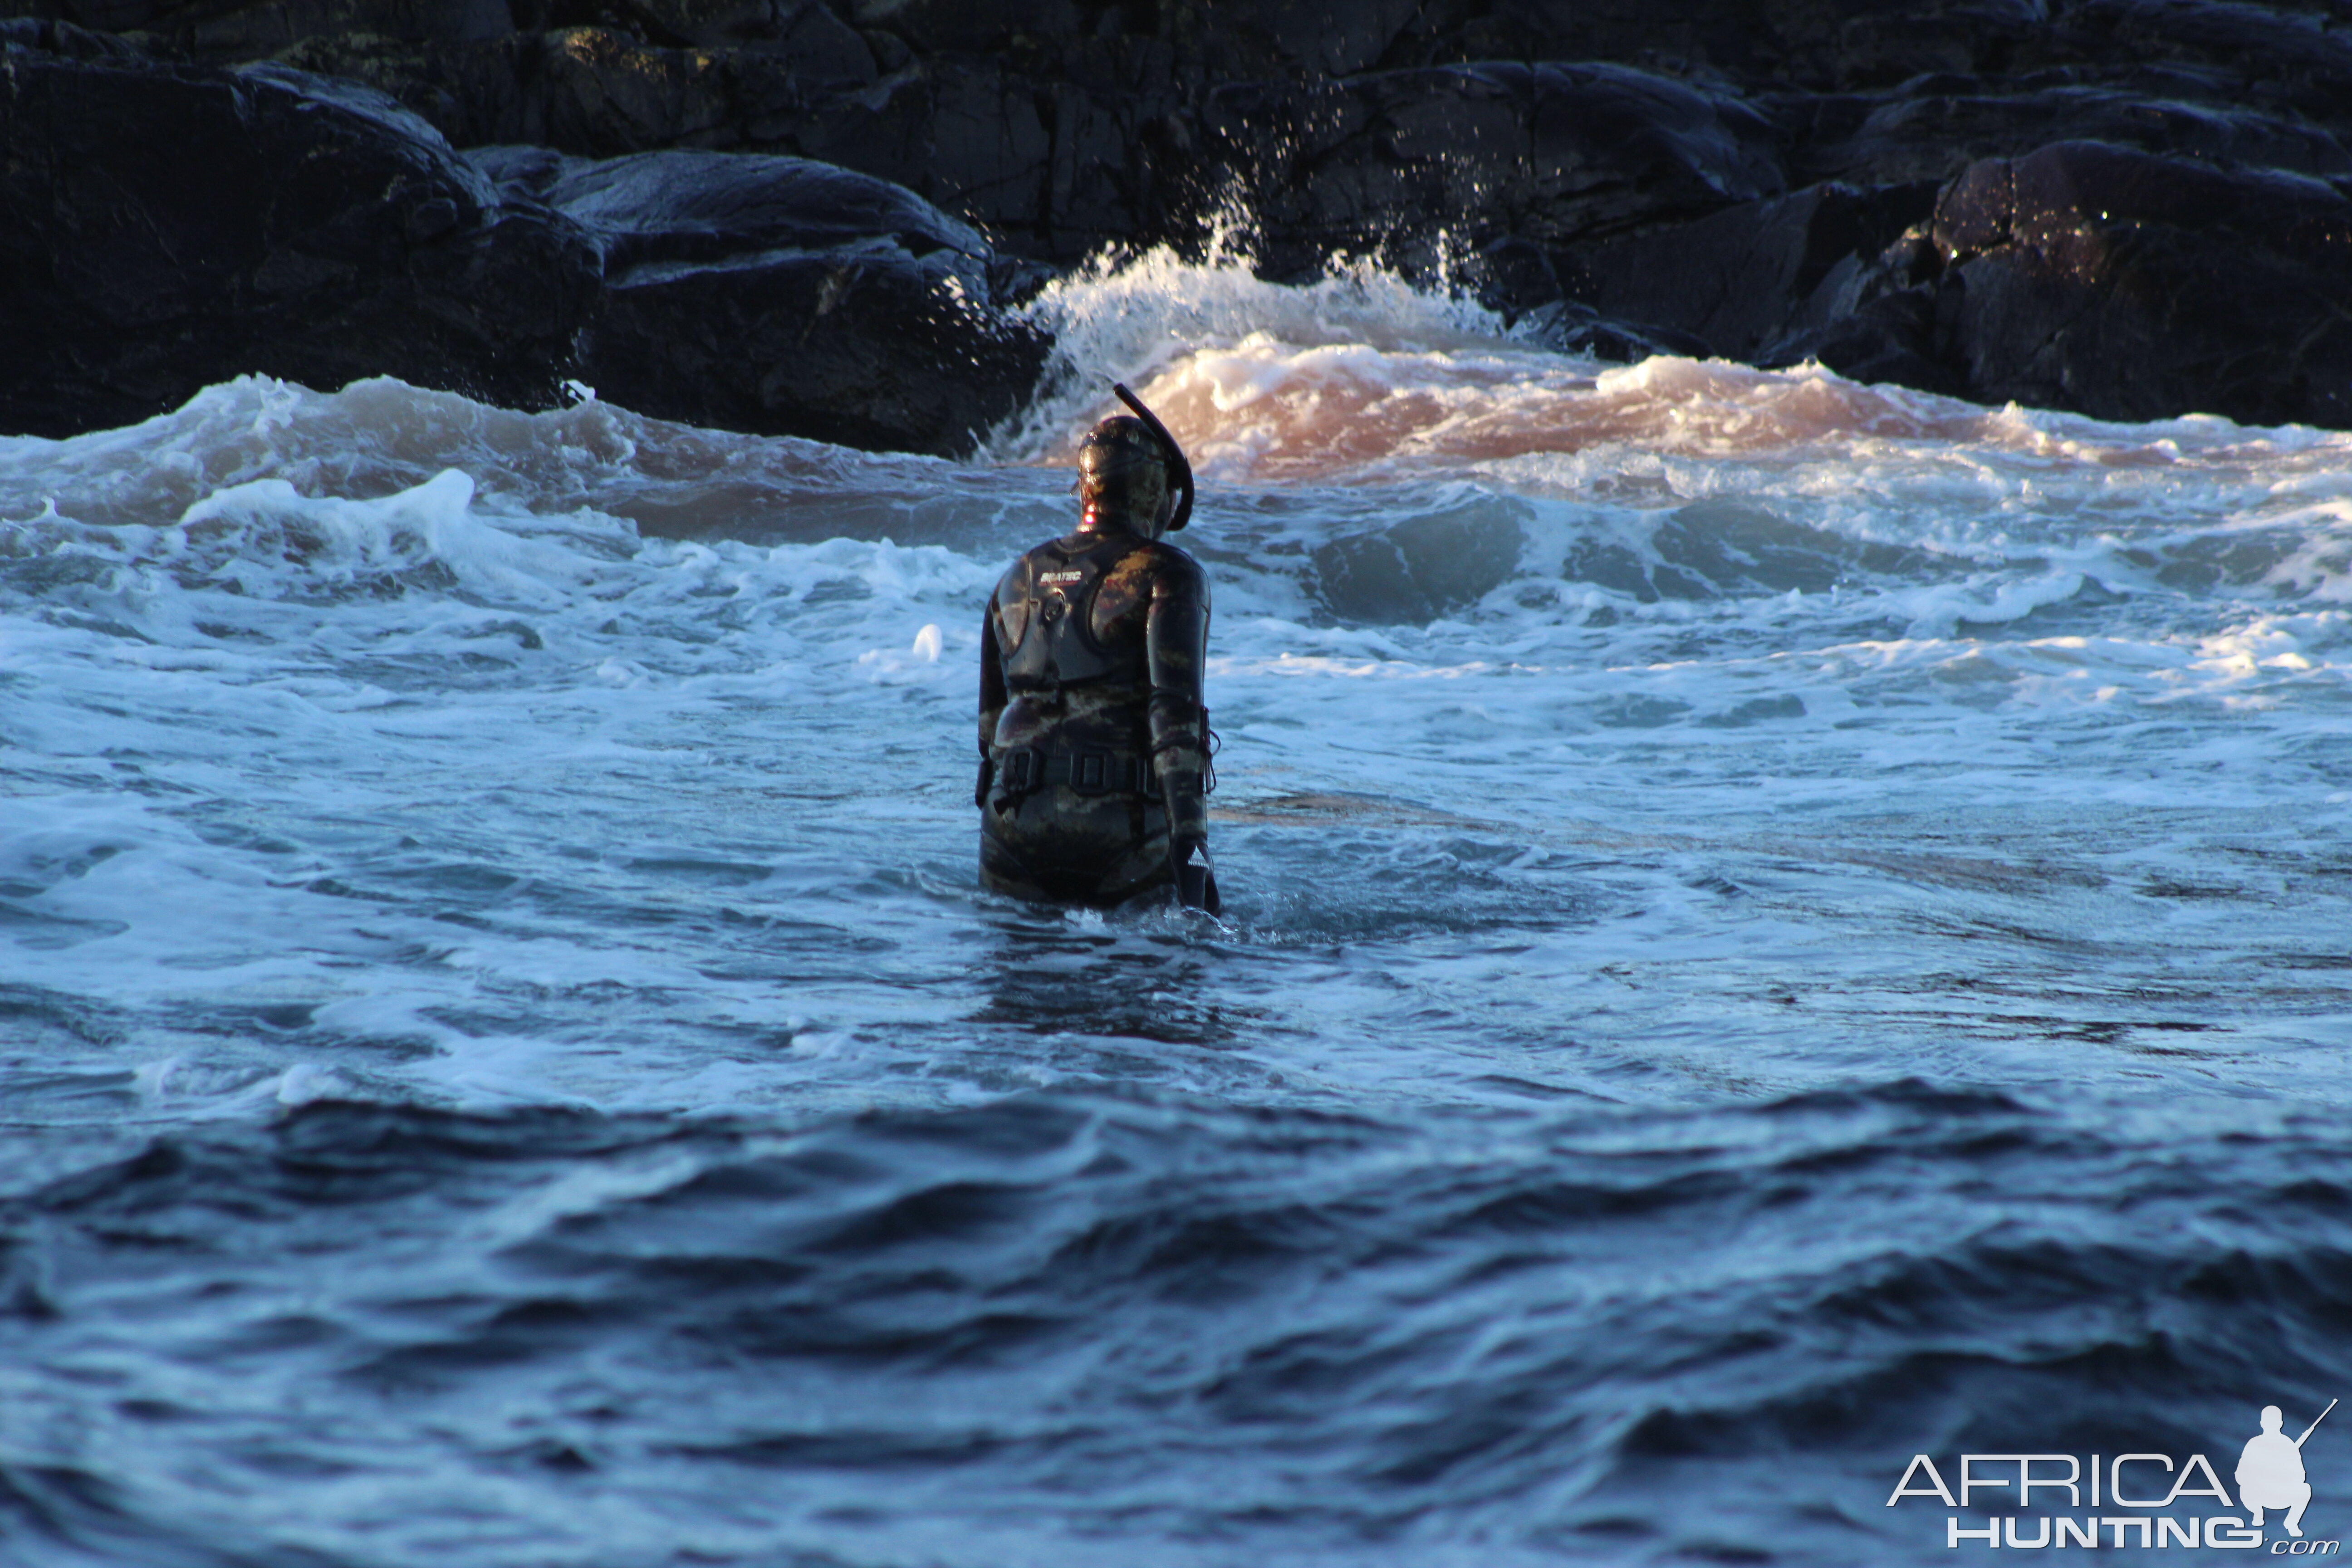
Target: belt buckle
[(1090, 772), (1023, 768)]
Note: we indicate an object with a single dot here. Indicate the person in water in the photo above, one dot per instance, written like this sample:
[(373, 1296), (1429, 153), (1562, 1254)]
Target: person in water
[(1094, 744)]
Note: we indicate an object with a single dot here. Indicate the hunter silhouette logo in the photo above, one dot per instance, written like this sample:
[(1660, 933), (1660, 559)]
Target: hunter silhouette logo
[(2159, 1491), (2270, 1472)]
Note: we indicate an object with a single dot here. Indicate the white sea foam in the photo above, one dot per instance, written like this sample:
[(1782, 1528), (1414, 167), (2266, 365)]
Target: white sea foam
[(427, 725)]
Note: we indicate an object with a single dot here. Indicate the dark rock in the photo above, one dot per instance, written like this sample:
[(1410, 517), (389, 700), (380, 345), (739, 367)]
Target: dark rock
[(2278, 59), (967, 27), (1750, 275), (1270, 38), (165, 229), (1933, 128), (1547, 153), (1063, 168), (2118, 284), (826, 49), (247, 33), (1518, 277), (779, 295), (2133, 287), (1708, 176), (1888, 337), (696, 207), (55, 37), (1064, 126)]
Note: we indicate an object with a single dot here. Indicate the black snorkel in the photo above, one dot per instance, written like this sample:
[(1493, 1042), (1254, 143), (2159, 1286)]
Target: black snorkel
[(1180, 470)]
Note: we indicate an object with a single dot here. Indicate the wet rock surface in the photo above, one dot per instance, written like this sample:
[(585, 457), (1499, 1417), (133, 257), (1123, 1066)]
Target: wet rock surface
[(1545, 154), (777, 294), (2132, 287), (1694, 176), (165, 227)]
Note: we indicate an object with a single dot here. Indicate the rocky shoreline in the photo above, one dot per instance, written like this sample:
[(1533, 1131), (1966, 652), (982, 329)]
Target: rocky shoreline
[(811, 217)]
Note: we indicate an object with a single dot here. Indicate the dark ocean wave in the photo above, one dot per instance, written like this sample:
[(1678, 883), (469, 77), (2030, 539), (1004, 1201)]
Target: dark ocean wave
[(1038, 1297)]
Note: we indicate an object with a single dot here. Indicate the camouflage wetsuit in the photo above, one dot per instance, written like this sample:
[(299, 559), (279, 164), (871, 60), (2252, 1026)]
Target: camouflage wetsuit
[(1093, 738)]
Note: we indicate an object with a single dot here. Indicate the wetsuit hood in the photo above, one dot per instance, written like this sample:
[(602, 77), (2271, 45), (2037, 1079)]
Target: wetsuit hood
[(1132, 475), (1123, 480)]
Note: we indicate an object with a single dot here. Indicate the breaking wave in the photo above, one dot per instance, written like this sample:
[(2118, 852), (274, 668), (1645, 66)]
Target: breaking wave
[(1773, 925)]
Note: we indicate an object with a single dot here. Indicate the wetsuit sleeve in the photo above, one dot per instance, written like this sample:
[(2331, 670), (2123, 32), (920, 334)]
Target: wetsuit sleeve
[(992, 697), (1176, 650)]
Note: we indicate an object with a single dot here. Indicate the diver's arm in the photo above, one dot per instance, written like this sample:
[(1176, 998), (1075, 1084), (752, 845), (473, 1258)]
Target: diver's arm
[(992, 698), (1176, 650)]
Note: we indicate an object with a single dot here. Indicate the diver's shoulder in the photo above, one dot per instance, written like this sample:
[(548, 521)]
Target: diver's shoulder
[(1168, 558), (1025, 565)]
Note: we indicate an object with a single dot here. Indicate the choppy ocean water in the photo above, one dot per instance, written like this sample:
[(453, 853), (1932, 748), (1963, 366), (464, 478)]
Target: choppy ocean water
[(1774, 926)]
